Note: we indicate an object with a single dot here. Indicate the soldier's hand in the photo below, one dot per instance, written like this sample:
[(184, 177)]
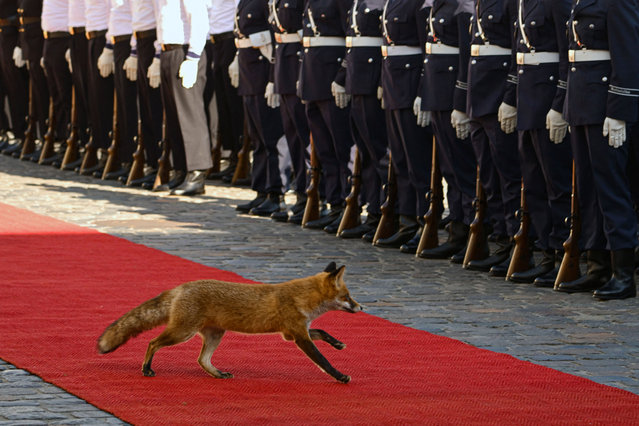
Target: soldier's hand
[(153, 73), (339, 93), (556, 125), (17, 57), (615, 130), (272, 98), (131, 67), (507, 116), (234, 73), (423, 117), (461, 123), (380, 96), (106, 65), (188, 72), (67, 56)]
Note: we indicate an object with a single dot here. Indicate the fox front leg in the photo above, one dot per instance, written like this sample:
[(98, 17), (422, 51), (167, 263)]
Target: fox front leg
[(309, 348), (317, 334)]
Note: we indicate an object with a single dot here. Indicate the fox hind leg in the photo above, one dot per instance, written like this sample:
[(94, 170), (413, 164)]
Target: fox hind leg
[(210, 340), (317, 334), (168, 337)]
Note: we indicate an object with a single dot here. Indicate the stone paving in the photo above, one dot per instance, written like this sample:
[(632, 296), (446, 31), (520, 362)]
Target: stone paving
[(571, 333)]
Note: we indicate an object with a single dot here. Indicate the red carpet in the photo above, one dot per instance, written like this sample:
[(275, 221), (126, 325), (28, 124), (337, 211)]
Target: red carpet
[(62, 285)]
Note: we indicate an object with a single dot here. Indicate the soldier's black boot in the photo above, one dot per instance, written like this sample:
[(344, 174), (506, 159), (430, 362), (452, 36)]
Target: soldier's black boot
[(548, 279), (246, 207), (597, 274), (546, 265), (622, 285), (501, 254), (408, 226), (410, 246), (370, 224), (457, 238), (333, 214), (272, 204), (193, 184)]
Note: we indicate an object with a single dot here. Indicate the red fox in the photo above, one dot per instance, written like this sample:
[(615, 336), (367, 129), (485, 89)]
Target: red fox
[(210, 307)]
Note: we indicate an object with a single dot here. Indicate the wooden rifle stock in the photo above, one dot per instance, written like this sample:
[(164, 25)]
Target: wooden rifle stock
[(429, 238), (312, 209), (569, 269), (243, 157), (49, 137), (351, 217), (216, 152), (71, 153), (113, 151), (520, 260), (137, 168), (28, 143), (164, 167), (388, 222), (477, 247)]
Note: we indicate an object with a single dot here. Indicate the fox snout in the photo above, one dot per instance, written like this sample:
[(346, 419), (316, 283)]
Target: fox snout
[(350, 305)]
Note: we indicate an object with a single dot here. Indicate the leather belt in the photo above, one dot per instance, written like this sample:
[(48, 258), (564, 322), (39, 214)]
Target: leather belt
[(319, 41), (221, 36), (95, 34), (55, 34), (26, 20), (8, 22), (120, 38), (587, 55), (489, 50), (364, 41), (243, 43), (76, 30), (400, 50), (288, 38), (441, 49), (536, 58), (167, 47), (145, 33)]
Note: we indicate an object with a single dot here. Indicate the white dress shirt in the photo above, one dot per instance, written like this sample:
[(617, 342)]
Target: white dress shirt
[(143, 15), (76, 13), (222, 16), (184, 22), (97, 14), (55, 15), (120, 18)]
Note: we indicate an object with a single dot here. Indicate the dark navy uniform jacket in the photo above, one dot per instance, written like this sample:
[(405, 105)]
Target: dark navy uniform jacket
[(287, 55), (405, 24), (321, 65), (489, 81), (601, 89), (541, 87), (364, 64), (445, 75), (252, 17)]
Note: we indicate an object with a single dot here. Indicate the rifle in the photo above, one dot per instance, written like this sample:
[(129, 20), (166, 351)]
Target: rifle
[(520, 260), (312, 209), (164, 167), (351, 217), (432, 217), (477, 247), (569, 269), (137, 168), (71, 153), (114, 149), (49, 137), (243, 157), (388, 222), (28, 144)]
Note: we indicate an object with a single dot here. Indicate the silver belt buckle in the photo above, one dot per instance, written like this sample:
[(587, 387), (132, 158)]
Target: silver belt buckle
[(429, 48), (571, 55), (306, 42), (384, 51), (474, 49), (521, 58), (349, 41)]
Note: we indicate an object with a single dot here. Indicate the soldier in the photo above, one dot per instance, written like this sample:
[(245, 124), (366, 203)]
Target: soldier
[(492, 108), (324, 49), (183, 29), (404, 28), (601, 102), (255, 53), (287, 25), (542, 66), (362, 83), (443, 96)]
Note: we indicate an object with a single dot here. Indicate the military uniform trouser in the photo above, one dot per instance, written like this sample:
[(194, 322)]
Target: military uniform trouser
[(150, 103), (296, 131), (59, 82), (14, 81), (99, 96)]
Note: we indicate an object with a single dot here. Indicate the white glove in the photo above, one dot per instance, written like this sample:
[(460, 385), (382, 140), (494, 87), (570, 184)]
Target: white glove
[(67, 56), (106, 65), (380, 96), (615, 130), (507, 116), (153, 73), (131, 68), (272, 98), (188, 72), (17, 57), (339, 93), (556, 125), (267, 51), (461, 123), (234, 73), (423, 117)]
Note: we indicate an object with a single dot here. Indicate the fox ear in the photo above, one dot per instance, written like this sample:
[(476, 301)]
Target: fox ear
[(331, 267), (338, 273)]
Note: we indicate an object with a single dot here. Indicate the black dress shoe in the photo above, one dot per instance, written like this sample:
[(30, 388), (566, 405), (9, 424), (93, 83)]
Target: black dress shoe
[(12, 148), (123, 172), (598, 274), (500, 269), (458, 258), (622, 284), (300, 203), (332, 227), (369, 236), (272, 204), (457, 237), (504, 246), (547, 280), (193, 184), (408, 226), (372, 220), (147, 178), (246, 207), (297, 218), (280, 216), (410, 246), (325, 220), (178, 178), (73, 165), (546, 265), (229, 170), (50, 160)]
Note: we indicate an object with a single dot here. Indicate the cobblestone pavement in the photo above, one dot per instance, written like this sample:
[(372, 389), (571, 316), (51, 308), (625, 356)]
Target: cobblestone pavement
[(570, 333)]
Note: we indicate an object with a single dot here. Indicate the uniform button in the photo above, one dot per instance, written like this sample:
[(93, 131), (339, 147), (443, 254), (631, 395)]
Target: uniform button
[(370, 60), (473, 62), (551, 78), (323, 15), (285, 4), (604, 79), (308, 25), (367, 10), (490, 16), (395, 19), (355, 13), (339, 59), (573, 69), (591, 26), (522, 41), (426, 60), (451, 68), (520, 72), (533, 23), (306, 50), (505, 64), (407, 66), (249, 16), (476, 34), (260, 57), (442, 20)]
